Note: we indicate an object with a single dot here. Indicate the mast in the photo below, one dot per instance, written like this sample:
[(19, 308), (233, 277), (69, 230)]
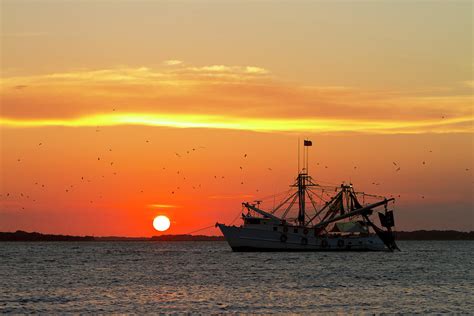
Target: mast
[(302, 182), (301, 198)]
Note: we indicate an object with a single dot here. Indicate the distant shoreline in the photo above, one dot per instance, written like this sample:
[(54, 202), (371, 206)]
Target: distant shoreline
[(34, 236)]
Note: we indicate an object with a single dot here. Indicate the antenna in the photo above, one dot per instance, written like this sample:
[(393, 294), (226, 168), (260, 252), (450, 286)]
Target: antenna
[(298, 155), (307, 153)]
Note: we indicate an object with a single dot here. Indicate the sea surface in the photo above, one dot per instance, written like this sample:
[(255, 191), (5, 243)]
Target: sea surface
[(206, 277)]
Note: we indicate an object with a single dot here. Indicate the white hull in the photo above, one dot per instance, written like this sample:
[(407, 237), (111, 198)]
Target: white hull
[(257, 239)]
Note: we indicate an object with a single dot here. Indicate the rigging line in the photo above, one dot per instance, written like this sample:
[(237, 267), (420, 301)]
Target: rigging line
[(274, 195), (325, 187), (331, 183), (354, 199), (371, 195), (238, 214), (198, 230), (335, 207), (325, 206), (308, 192), (283, 203), (274, 189), (290, 206), (320, 197), (314, 206), (333, 214)]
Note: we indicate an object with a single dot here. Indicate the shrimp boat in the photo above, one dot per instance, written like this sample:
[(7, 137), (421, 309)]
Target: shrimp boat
[(338, 219)]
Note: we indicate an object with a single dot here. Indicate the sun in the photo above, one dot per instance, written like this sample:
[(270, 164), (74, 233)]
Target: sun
[(161, 223)]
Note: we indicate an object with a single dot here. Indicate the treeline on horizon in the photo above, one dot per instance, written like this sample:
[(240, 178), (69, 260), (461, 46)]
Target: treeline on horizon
[(400, 235), (434, 235)]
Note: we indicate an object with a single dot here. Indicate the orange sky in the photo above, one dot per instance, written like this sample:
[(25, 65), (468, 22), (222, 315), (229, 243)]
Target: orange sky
[(97, 118)]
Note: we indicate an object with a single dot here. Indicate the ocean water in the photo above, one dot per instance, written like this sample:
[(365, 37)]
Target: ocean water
[(206, 277)]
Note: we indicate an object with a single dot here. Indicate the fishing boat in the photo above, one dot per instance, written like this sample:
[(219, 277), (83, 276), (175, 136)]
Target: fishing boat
[(313, 216)]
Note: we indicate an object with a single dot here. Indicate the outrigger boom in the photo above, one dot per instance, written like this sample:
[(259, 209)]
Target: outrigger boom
[(261, 212), (366, 210)]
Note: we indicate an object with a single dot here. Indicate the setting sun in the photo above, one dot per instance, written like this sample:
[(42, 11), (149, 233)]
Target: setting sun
[(161, 223)]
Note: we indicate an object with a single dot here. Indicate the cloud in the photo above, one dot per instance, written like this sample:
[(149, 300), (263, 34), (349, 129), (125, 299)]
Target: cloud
[(255, 70), (163, 206), (469, 83), (314, 125), (227, 69), (222, 96), (172, 62), (223, 73)]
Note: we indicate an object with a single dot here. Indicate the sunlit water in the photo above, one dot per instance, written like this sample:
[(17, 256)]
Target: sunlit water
[(206, 277)]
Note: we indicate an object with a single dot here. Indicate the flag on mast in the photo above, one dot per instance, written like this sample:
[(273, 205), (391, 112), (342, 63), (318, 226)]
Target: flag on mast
[(308, 143)]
